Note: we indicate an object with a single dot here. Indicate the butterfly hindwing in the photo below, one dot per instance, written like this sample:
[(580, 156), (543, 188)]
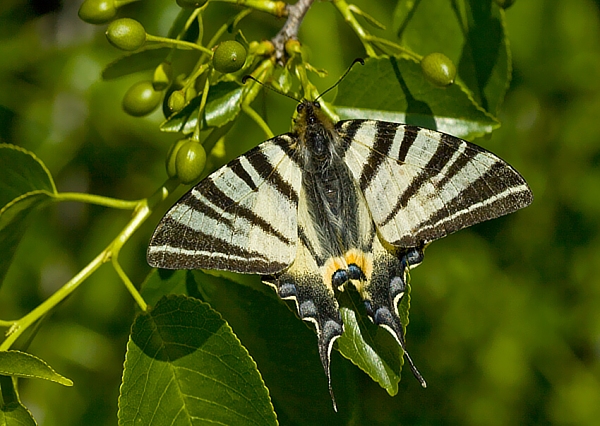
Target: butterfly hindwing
[(241, 218), (421, 185)]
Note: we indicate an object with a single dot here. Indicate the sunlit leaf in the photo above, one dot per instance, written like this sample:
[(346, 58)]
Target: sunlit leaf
[(394, 89), (185, 366), (223, 104), (370, 347), (21, 364), (285, 350), (471, 33)]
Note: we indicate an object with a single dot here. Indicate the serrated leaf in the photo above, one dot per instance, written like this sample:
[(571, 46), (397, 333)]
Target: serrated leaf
[(285, 350), (470, 33), (25, 184), (21, 364), (145, 59), (394, 89), (223, 104), (185, 366), (12, 412)]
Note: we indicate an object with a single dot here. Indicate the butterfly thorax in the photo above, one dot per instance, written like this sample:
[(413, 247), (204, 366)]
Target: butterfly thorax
[(327, 183)]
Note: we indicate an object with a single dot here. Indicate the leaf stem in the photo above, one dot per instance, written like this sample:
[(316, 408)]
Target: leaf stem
[(181, 44), (258, 120), (277, 8), (362, 34), (134, 292), (97, 199), (143, 209)]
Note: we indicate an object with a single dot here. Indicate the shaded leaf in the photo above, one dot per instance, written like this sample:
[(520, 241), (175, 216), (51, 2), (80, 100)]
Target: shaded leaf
[(21, 364), (470, 32), (394, 89), (21, 172), (25, 184), (285, 350), (145, 59), (12, 412), (161, 282), (185, 366)]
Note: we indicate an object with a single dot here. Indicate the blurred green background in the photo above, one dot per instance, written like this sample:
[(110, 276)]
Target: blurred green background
[(505, 318)]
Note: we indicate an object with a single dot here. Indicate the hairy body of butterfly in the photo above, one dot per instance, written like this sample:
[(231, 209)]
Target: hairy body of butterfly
[(331, 204)]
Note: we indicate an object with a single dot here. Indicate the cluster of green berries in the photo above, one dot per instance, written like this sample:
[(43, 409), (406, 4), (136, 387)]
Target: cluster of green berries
[(186, 158)]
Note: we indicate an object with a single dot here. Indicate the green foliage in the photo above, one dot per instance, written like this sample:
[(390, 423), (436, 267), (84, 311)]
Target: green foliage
[(25, 185), (504, 317), (20, 364), (184, 365), (401, 93)]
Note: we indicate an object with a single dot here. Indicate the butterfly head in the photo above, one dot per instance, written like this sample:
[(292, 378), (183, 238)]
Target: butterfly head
[(316, 133)]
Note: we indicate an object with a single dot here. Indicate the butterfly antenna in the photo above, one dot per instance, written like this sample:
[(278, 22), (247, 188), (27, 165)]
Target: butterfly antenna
[(249, 77), (357, 60)]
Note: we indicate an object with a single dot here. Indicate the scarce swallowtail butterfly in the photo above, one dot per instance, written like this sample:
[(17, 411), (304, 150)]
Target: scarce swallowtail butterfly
[(328, 205)]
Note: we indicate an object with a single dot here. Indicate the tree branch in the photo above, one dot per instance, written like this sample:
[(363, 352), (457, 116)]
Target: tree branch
[(290, 30)]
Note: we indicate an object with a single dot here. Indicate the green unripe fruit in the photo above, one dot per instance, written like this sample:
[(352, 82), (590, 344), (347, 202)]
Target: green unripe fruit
[(190, 161), (97, 11), (126, 34), (438, 69), (229, 57), (172, 156), (191, 4), (176, 101), (141, 99), (505, 4)]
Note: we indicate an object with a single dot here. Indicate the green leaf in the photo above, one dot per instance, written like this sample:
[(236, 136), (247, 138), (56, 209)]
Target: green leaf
[(161, 282), (223, 104), (12, 412), (471, 33), (21, 364), (144, 59), (369, 347), (185, 366), (394, 89), (285, 350), (25, 184), (21, 172), (15, 414)]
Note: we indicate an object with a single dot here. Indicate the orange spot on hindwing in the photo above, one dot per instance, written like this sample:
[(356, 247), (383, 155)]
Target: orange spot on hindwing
[(355, 266)]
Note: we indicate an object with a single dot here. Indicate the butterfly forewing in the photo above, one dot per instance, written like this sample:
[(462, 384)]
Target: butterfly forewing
[(241, 218), (421, 185)]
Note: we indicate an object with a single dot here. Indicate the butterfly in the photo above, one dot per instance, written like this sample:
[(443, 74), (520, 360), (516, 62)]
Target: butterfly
[(335, 204)]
